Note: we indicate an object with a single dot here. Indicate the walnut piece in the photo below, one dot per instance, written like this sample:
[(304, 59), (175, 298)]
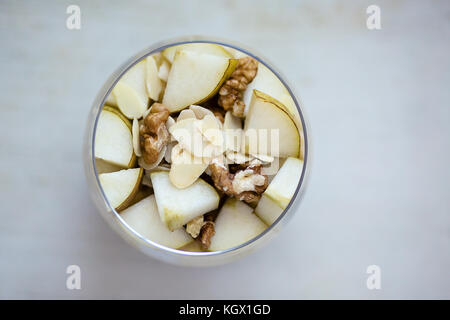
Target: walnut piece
[(194, 226), (246, 184), (231, 92), (206, 233), (153, 132), (202, 229)]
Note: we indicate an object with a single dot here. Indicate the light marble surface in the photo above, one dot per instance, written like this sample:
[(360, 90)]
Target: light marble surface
[(378, 105)]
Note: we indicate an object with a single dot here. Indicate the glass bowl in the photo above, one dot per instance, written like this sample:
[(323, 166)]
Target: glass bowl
[(151, 248)]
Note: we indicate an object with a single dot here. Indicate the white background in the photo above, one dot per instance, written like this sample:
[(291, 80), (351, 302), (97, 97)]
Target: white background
[(378, 106)]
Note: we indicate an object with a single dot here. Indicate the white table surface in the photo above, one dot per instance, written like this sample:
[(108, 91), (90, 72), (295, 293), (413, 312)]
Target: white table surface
[(378, 105)]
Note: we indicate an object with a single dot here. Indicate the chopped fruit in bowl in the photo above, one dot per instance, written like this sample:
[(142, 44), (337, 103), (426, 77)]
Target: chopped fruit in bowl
[(199, 147)]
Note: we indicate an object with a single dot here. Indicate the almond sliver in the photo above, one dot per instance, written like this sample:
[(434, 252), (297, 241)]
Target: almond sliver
[(135, 133)]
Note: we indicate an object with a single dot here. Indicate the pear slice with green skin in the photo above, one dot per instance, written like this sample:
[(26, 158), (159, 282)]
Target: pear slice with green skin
[(208, 48), (266, 115), (131, 91), (235, 225), (194, 78), (105, 167), (153, 82), (143, 217), (120, 187), (266, 81), (113, 139), (179, 206), (280, 190)]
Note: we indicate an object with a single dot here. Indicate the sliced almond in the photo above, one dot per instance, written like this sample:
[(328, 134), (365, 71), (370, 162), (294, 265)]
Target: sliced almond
[(211, 130), (264, 158), (200, 112), (188, 136), (186, 168), (186, 114), (170, 122), (237, 157), (168, 155), (135, 132), (146, 112)]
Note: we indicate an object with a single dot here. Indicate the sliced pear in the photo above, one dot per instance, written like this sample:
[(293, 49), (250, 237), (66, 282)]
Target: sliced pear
[(143, 217), (185, 168), (280, 191), (113, 139), (153, 82), (120, 187), (194, 246), (208, 48), (131, 91), (268, 210), (269, 128), (105, 167), (266, 81), (237, 54), (163, 71), (179, 206), (111, 100), (235, 224), (194, 78)]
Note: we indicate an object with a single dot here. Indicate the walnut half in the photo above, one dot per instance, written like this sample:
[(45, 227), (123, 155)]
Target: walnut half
[(202, 229), (231, 92), (246, 184), (153, 133)]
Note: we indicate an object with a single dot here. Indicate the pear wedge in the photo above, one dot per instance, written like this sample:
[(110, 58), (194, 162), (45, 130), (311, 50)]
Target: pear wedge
[(111, 100), (113, 139), (179, 206), (270, 129), (143, 217), (280, 191), (121, 186), (208, 48), (131, 91), (235, 224), (194, 78), (153, 82), (266, 81)]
